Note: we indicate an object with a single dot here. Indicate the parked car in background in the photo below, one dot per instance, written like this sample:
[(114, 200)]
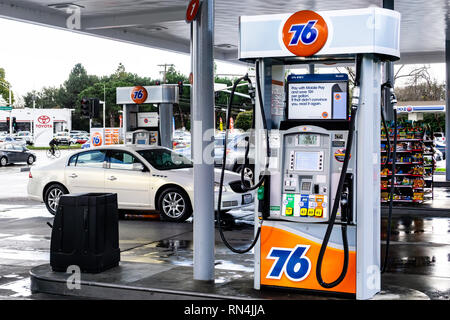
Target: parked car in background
[(439, 137), (3, 136), (62, 137), (144, 178), (438, 155), (13, 153), (236, 148), (26, 135), (74, 133), (181, 139), (80, 139), (14, 140)]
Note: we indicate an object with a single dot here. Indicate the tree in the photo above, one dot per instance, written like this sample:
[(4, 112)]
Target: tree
[(4, 87), (244, 120), (106, 87), (420, 86), (47, 98)]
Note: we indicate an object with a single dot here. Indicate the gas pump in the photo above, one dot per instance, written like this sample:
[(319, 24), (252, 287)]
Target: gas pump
[(317, 226), (148, 128)]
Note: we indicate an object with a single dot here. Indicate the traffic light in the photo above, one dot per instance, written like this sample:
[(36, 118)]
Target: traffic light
[(95, 108), (180, 87), (157, 83), (7, 122), (14, 124), (85, 108)]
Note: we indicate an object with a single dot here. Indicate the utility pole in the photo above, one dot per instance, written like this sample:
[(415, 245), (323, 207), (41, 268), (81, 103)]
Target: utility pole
[(104, 105), (165, 70)]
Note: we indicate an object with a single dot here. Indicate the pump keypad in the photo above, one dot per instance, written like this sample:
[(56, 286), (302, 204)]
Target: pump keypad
[(307, 206)]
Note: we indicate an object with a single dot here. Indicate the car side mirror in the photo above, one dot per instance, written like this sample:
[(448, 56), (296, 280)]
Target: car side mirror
[(138, 167)]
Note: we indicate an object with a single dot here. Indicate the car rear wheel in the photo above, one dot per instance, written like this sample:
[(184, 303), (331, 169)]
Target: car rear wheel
[(52, 196), (174, 205), (3, 161), (30, 160)]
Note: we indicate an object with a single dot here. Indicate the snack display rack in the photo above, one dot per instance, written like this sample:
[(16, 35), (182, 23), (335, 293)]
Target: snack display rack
[(414, 166)]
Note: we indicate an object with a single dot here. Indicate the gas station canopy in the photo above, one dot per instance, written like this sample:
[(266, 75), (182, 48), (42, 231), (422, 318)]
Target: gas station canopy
[(161, 24)]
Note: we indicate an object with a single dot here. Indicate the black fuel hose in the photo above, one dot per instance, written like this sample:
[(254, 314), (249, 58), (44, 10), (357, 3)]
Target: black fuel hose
[(332, 219), (388, 141), (224, 159), (244, 183), (391, 196)]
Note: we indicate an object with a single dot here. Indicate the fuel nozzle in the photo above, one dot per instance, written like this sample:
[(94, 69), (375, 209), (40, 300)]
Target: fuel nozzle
[(355, 97), (344, 206), (393, 97), (251, 89)]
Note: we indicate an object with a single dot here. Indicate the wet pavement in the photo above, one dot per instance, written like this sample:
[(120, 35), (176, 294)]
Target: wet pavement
[(419, 251)]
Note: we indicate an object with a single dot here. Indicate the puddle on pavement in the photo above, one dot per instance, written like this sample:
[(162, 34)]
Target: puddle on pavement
[(419, 246), (33, 255), (23, 212), (17, 289)]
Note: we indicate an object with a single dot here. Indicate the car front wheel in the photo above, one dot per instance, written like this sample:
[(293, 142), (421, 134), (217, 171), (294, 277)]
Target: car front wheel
[(30, 160), (174, 205), (3, 161), (52, 196)]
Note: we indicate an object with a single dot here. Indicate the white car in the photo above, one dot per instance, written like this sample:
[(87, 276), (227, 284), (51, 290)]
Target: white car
[(145, 178), (26, 135), (439, 137), (20, 141), (62, 137)]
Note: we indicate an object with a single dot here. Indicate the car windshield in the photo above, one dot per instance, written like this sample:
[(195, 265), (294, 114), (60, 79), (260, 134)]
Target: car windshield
[(163, 159)]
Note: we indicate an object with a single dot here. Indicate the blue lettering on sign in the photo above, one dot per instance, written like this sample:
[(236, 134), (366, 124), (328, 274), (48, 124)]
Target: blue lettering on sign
[(291, 262), (307, 34), (138, 94), (96, 140)]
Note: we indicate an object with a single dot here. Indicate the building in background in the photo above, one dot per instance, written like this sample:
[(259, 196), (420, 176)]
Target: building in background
[(61, 118)]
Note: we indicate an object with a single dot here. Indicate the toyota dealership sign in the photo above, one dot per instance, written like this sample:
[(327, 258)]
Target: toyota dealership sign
[(43, 130)]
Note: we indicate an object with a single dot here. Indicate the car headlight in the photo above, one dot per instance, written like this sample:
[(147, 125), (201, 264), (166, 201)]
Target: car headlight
[(217, 186)]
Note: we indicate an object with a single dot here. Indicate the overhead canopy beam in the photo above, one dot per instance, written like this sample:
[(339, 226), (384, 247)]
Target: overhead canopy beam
[(133, 19), (48, 17)]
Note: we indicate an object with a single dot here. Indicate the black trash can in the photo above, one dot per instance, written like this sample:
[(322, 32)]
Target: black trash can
[(85, 233)]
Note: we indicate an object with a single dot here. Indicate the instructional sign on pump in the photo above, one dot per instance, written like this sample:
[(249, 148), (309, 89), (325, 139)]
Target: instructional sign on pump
[(322, 96)]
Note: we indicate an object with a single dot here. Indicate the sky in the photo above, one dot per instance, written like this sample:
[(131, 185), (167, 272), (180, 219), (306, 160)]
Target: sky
[(35, 57)]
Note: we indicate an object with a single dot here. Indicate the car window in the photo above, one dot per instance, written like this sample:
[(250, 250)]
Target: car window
[(18, 148), (73, 160), (91, 159), (163, 159), (121, 160)]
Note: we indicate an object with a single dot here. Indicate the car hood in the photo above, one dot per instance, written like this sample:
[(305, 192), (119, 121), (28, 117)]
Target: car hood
[(229, 176)]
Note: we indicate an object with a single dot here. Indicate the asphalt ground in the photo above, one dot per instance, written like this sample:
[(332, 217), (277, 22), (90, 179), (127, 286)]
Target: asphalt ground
[(419, 252)]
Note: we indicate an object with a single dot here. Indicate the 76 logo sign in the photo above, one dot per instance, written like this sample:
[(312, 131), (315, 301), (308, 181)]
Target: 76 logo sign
[(291, 262), (304, 33)]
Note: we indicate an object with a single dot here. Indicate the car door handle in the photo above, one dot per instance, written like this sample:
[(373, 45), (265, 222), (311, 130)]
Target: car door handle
[(112, 178), (73, 176)]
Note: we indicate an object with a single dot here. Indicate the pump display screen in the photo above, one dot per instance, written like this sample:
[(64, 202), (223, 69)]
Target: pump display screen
[(308, 140), (307, 161), (317, 96)]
